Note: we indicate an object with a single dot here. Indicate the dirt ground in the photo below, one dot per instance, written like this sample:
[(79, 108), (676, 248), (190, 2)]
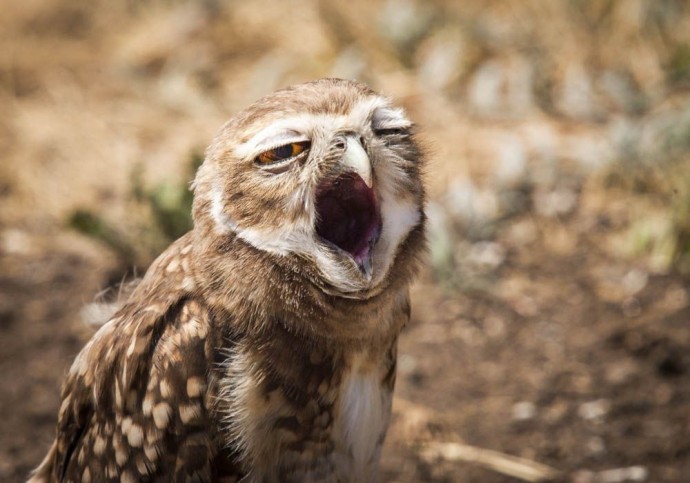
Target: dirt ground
[(550, 336)]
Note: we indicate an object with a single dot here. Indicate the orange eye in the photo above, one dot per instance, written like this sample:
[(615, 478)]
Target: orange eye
[(281, 153)]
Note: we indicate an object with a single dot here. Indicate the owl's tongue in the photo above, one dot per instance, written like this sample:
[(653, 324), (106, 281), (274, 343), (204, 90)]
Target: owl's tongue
[(348, 216)]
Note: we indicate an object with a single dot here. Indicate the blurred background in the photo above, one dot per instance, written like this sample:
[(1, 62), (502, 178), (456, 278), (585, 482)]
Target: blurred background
[(550, 337)]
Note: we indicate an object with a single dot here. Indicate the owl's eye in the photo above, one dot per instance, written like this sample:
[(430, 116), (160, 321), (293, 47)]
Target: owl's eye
[(396, 131), (282, 153)]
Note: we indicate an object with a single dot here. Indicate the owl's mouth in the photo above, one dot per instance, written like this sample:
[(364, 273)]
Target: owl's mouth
[(348, 216)]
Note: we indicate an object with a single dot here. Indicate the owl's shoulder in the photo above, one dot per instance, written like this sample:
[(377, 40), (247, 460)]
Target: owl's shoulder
[(138, 399)]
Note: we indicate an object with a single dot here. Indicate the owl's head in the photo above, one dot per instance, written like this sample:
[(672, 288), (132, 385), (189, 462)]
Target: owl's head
[(327, 172)]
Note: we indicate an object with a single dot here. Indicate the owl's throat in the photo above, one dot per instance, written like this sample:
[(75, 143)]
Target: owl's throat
[(349, 217)]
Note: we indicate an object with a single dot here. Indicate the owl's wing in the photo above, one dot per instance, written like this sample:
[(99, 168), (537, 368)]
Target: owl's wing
[(137, 401)]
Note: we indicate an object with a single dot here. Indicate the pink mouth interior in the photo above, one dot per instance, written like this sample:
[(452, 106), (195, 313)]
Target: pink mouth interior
[(348, 216)]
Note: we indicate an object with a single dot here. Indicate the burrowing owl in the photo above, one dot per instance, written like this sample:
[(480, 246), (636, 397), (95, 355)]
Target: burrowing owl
[(262, 344)]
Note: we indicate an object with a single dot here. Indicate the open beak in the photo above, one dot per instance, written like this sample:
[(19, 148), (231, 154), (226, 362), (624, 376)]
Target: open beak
[(348, 211)]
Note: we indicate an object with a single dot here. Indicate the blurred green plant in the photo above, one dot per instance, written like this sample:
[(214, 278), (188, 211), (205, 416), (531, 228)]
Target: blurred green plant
[(677, 182), (659, 172), (158, 216), (170, 203), (681, 226), (95, 226), (678, 68)]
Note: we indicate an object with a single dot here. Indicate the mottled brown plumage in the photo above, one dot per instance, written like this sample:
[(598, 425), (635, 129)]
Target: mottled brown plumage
[(261, 346)]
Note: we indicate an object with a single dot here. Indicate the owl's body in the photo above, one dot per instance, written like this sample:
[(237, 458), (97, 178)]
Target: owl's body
[(262, 344)]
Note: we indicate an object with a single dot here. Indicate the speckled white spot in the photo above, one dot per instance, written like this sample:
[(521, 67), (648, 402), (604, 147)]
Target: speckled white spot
[(143, 467), (120, 455), (195, 385), (189, 412), (127, 477), (147, 405), (126, 424), (188, 284), (99, 446), (173, 265), (135, 436), (161, 415), (165, 389), (151, 452)]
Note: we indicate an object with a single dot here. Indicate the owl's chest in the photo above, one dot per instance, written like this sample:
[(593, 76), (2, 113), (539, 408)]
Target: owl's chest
[(362, 414), (311, 419)]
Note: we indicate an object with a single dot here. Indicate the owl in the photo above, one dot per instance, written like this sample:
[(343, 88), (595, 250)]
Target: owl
[(261, 346)]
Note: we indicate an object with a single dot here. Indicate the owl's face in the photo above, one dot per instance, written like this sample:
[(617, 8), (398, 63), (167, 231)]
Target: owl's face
[(326, 171)]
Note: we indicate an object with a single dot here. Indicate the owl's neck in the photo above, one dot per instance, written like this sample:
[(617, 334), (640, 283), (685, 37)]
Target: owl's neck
[(260, 289)]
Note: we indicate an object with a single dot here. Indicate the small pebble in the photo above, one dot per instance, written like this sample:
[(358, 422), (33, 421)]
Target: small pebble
[(524, 410), (619, 475), (406, 364), (594, 409)]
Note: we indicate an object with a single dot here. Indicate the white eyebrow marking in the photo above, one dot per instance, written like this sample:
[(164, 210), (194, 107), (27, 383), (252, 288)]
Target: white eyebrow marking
[(302, 127), (273, 138)]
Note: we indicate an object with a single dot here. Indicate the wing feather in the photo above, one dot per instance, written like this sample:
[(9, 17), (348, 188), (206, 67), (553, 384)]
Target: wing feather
[(136, 401)]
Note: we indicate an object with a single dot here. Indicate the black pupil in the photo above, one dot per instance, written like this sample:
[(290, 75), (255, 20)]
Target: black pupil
[(283, 152)]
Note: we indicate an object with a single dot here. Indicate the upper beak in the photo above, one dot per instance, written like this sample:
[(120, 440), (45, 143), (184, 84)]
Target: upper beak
[(357, 159)]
